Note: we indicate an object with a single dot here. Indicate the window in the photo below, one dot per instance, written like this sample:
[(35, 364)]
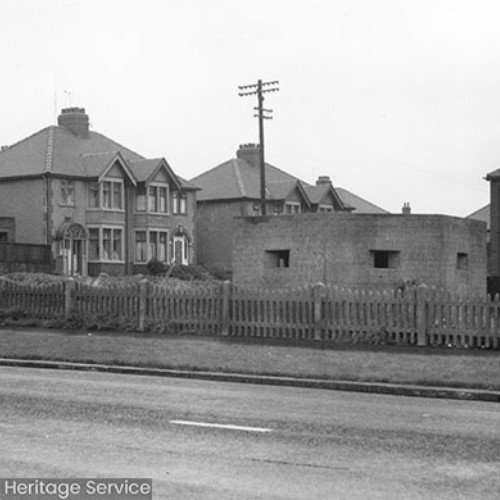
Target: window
[(158, 199), (117, 195), (67, 193), (385, 259), (462, 261), (93, 244), (179, 203), (140, 199), (151, 245), (292, 207), (106, 244), (108, 195), (325, 209), (141, 248), (94, 195), (277, 258), (158, 245)]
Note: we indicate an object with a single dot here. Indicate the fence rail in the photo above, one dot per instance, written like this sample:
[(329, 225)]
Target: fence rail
[(419, 316)]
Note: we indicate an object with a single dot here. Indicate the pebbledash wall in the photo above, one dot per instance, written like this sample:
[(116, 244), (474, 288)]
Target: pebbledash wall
[(360, 250)]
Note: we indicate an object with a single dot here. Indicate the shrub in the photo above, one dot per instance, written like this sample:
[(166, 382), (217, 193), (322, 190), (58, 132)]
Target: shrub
[(191, 272), (155, 267)]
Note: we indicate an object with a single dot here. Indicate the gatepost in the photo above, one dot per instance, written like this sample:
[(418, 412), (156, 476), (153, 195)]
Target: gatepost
[(318, 294), (421, 297)]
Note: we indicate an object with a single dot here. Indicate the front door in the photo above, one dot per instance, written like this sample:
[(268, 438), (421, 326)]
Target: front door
[(180, 254), (72, 249), (76, 257)]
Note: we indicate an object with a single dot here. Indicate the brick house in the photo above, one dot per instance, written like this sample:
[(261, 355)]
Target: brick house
[(232, 189), (101, 206), (361, 250)]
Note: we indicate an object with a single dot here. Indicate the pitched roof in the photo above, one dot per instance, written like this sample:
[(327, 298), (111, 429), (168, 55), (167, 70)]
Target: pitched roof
[(360, 205), (318, 193), (236, 179), (483, 215), (57, 150)]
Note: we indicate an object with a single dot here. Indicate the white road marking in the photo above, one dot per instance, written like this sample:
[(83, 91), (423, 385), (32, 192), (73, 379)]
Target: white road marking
[(221, 426)]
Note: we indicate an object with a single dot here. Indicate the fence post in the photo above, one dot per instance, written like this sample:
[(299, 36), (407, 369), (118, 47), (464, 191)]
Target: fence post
[(68, 298), (421, 297), (143, 297), (318, 293), (226, 293)]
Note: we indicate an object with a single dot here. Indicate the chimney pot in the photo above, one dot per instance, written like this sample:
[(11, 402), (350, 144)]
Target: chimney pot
[(406, 209), (322, 180)]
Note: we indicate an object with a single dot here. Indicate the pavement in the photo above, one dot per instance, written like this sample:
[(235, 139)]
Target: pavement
[(334, 385)]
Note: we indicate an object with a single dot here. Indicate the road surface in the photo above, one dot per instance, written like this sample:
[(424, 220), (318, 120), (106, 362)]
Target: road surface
[(210, 440)]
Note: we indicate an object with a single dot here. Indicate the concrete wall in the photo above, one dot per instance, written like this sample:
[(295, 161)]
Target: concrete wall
[(341, 248), (8, 227), (25, 202), (214, 232)]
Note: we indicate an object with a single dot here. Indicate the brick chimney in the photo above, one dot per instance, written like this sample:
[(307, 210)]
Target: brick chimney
[(323, 180), (250, 153), (406, 210), (75, 120)]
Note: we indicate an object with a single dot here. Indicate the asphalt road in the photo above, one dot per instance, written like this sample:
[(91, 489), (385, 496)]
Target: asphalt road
[(279, 443)]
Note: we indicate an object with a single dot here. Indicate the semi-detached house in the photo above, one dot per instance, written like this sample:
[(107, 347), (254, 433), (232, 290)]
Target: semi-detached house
[(99, 205)]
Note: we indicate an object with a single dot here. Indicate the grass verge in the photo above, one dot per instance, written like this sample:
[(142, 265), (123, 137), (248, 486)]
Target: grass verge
[(399, 365)]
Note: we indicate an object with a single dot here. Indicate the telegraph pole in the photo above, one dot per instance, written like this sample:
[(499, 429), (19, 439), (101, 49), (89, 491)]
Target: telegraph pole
[(259, 89)]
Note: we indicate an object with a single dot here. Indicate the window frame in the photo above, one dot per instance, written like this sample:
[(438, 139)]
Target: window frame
[(67, 186), (157, 186), (158, 231), (295, 204), (100, 243), (179, 203), (325, 208), (113, 182)]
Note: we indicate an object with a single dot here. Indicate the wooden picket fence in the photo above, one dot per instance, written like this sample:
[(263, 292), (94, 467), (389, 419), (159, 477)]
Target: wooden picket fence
[(417, 316), (44, 301)]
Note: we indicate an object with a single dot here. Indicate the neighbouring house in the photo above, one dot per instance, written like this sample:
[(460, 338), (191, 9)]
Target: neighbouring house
[(232, 189), (361, 250), (99, 205)]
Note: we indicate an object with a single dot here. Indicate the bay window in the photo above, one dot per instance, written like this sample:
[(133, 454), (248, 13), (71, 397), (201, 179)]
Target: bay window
[(106, 244), (151, 244)]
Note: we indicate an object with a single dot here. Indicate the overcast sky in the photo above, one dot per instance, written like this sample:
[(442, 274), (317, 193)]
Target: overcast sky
[(396, 100)]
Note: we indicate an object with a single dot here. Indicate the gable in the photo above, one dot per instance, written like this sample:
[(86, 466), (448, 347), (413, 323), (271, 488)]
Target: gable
[(161, 176), (115, 171), (295, 195), (328, 199)]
